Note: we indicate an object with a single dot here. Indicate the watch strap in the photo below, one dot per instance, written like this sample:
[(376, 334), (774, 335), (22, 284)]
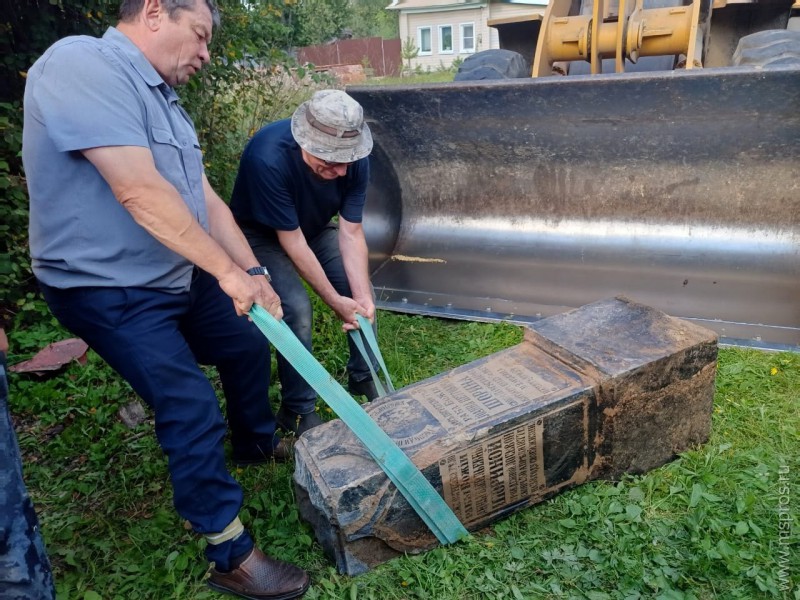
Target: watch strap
[(259, 271)]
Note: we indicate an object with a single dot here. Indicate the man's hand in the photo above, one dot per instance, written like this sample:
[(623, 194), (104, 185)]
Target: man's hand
[(246, 290), (368, 307), (346, 309), (269, 299), (3, 341)]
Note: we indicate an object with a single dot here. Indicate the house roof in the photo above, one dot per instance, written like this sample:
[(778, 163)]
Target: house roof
[(438, 5), (435, 4)]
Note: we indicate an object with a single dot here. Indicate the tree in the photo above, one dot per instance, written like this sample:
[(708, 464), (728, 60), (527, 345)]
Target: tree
[(409, 51), (320, 21), (370, 18)]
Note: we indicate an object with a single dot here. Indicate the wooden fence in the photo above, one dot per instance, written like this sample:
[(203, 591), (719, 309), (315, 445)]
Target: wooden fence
[(379, 55)]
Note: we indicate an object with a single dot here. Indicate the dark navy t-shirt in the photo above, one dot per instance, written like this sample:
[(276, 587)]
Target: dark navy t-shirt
[(275, 189)]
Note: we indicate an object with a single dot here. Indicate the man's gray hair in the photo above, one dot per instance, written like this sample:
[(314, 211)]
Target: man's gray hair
[(130, 8)]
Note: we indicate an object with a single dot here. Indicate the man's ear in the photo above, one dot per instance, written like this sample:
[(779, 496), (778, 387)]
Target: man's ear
[(152, 14)]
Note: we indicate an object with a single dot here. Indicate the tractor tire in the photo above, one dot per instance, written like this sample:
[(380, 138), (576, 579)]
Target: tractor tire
[(493, 64), (770, 48)]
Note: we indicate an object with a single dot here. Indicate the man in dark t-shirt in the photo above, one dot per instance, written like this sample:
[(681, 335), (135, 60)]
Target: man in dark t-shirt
[(295, 176)]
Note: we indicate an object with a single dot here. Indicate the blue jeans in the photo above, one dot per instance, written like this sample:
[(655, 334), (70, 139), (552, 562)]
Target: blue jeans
[(296, 394), (24, 568), (155, 340)]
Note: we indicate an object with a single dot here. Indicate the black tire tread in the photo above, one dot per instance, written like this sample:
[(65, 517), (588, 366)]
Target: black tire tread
[(493, 64), (769, 48)]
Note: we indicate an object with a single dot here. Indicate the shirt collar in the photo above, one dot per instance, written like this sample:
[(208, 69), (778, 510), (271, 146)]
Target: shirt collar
[(135, 56)]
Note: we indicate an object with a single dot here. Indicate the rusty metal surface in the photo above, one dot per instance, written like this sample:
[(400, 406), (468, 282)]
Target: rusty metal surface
[(520, 199)]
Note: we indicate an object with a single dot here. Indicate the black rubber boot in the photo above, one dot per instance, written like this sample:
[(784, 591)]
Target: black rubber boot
[(362, 388), (298, 424)]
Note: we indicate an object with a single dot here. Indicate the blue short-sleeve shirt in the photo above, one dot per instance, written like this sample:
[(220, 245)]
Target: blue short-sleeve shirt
[(86, 92), (276, 190)]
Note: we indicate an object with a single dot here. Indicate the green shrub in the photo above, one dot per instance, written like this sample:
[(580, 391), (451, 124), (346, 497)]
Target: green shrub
[(15, 273)]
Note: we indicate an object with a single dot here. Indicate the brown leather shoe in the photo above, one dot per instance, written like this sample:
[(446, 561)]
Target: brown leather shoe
[(260, 577)]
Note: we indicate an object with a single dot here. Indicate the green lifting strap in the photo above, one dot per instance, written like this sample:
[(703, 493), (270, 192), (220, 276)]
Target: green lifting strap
[(365, 332), (420, 494)]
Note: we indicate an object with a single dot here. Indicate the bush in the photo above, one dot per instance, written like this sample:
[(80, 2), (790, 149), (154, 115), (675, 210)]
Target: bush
[(15, 274), (33, 26), (229, 104)]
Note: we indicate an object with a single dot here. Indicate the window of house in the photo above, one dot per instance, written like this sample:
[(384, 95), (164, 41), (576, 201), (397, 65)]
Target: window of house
[(424, 40), (445, 39), (468, 37)]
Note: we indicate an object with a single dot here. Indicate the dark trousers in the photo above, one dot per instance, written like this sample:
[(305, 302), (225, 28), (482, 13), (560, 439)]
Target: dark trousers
[(296, 394), (155, 340), (24, 568)]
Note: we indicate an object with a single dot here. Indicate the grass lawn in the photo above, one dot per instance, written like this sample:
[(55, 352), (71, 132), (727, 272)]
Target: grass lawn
[(704, 526), (441, 76)]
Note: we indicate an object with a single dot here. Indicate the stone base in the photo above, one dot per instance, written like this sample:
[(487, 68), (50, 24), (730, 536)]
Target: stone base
[(613, 387)]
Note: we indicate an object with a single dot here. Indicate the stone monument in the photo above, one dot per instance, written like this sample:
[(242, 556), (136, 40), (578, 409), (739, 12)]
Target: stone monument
[(610, 388)]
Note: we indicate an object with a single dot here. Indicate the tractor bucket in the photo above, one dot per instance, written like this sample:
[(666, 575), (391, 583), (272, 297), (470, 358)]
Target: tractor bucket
[(518, 199)]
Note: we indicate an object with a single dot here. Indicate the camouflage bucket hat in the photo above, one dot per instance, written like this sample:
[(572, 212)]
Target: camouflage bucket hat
[(331, 127)]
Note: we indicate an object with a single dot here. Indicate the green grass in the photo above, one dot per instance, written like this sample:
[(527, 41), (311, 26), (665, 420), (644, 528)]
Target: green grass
[(439, 76), (703, 526)]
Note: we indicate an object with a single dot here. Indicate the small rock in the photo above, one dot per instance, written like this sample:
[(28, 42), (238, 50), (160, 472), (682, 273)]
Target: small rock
[(132, 414)]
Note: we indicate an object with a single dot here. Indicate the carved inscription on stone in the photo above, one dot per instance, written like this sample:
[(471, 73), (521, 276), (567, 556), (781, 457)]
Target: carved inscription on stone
[(500, 471), (478, 395)]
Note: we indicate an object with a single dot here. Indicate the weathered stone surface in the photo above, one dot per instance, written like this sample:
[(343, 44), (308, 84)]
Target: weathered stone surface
[(610, 388)]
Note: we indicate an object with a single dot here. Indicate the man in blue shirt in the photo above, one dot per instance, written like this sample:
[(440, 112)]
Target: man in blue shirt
[(295, 176), (137, 254)]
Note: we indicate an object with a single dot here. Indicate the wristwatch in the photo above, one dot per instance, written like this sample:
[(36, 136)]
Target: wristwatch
[(259, 271)]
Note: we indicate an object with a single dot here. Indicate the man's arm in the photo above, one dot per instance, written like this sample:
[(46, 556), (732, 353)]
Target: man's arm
[(226, 233), (158, 207), (295, 245), (355, 256)]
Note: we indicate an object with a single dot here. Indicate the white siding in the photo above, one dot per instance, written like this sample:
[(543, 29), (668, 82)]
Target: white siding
[(486, 37), (411, 22)]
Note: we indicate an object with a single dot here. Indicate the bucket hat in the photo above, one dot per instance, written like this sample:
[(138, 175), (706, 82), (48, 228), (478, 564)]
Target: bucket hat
[(331, 127)]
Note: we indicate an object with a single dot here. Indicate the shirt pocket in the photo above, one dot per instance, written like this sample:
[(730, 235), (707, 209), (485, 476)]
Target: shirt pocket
[(168, 157), (193, 165)]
